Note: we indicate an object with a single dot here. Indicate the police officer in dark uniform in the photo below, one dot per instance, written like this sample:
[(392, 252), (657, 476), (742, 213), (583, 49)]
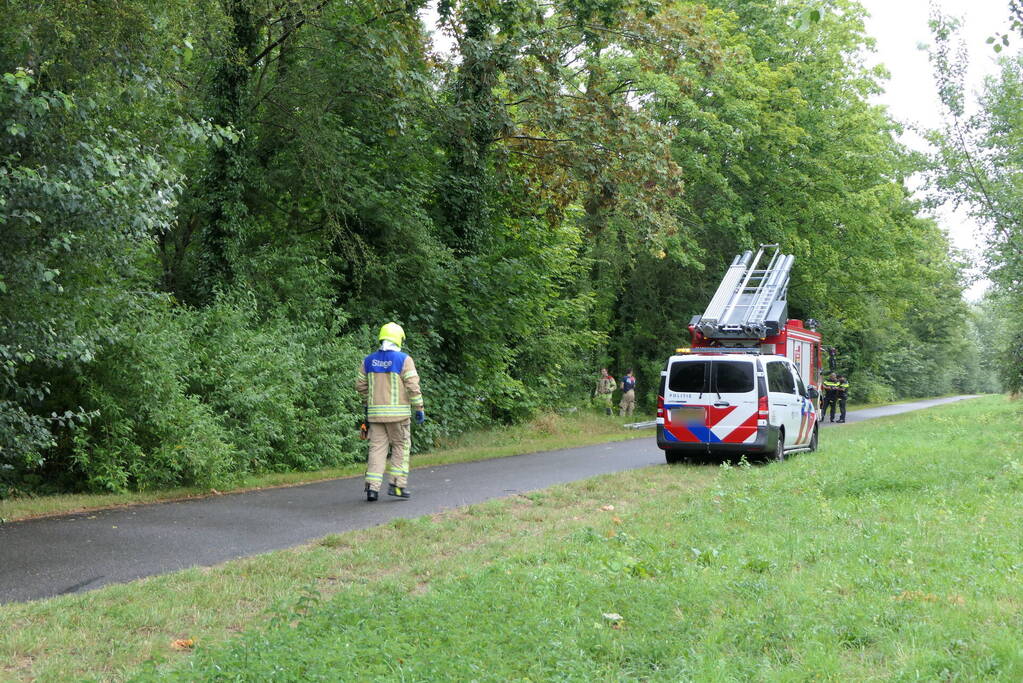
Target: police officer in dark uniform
[(842, 393), (830, 389)]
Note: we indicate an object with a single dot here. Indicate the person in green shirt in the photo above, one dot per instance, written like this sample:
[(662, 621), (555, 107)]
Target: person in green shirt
[(605, 387)]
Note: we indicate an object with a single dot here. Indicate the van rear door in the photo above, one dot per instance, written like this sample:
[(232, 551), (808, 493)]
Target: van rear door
[(711, 400), (684, 409), (732, 413)]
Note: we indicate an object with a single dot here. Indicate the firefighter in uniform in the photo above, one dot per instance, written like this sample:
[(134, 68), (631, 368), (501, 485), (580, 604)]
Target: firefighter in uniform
[(389, 382), (842, 394), (628, 402), (830, 389), (605, 387)]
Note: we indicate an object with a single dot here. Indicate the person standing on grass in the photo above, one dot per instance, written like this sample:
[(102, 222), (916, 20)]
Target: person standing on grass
[(389, 382), (841, 393), (628, 403), (605, 387)]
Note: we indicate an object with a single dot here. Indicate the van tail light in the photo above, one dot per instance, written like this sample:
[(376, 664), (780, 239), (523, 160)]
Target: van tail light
[(762, 412), (660, 407)]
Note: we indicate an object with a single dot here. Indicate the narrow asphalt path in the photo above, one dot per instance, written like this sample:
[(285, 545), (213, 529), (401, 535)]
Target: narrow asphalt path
[(74, 553)]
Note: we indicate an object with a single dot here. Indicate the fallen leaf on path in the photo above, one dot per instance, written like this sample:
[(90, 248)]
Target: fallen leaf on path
[(183, 644)]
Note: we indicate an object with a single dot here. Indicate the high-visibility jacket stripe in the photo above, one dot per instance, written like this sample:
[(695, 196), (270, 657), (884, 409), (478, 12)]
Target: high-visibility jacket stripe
[(389, 411)]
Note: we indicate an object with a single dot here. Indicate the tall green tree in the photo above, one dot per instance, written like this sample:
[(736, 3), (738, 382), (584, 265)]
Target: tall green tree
[(979, 166)]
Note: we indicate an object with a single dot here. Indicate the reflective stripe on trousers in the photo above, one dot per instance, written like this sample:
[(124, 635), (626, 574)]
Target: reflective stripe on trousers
[(384, 436)]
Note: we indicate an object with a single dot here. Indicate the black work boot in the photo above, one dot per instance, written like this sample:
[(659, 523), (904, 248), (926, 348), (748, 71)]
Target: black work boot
[(397, 491), (371, 495)]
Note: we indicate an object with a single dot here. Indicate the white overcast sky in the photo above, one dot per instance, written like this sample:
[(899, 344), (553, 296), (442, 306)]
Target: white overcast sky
[(900, 28)]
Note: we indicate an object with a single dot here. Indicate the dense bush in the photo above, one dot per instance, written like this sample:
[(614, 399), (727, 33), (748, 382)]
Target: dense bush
[(78, 210), (149, 431)]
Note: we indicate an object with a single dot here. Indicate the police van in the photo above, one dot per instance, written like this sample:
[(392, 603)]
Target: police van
[(722, 403), (749, 381)]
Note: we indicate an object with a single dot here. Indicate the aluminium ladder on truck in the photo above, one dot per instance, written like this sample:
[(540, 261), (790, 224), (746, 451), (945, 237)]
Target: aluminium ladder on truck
[(750, 303), (749, 314)]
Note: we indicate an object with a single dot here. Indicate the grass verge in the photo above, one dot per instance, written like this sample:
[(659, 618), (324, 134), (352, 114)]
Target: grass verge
[(547, 432), (894, 552)]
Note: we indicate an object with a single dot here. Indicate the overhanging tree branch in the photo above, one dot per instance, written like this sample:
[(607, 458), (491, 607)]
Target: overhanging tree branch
[(287, 34)]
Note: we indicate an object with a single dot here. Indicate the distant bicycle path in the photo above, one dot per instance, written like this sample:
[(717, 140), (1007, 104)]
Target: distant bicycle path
[(41, 558)]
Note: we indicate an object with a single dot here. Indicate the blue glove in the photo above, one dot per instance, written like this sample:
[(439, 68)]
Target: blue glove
[(420, 417)]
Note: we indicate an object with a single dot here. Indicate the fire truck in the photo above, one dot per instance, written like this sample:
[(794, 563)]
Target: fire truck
[(749, 381)]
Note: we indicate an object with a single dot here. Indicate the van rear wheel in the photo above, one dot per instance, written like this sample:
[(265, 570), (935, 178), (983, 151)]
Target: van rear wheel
[(673, 457), (779, 449), (813, 440)]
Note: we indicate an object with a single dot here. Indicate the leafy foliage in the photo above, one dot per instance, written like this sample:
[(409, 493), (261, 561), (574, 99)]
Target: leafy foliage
[(209, 207), (76, 229)]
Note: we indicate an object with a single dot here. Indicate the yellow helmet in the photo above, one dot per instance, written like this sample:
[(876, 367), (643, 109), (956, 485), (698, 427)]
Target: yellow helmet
[(392, 332)]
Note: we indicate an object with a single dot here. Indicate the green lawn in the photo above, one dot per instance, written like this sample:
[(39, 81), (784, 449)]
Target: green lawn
[(893, 553)]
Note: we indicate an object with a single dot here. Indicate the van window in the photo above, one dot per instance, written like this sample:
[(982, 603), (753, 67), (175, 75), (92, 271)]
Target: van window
[(779, 378), (687, 376), (728, 376), (733, 377), (802, 387)]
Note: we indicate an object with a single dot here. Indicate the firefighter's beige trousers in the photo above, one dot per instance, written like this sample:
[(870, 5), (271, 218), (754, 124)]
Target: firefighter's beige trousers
[(628, 403), (397, 435)]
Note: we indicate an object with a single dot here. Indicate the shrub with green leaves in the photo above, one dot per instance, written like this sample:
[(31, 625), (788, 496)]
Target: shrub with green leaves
[(76, 224), (150, 429), (283, 389)]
